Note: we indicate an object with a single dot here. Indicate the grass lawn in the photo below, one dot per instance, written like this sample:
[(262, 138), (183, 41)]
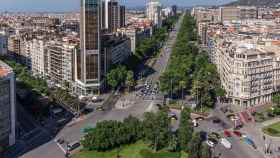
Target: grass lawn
[(273, 129), (137, 150)]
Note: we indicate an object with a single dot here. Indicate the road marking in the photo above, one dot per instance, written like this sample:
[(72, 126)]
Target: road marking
[(60, 147)]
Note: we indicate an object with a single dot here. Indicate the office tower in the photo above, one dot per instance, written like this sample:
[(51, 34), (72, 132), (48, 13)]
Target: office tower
[(88, 59), (7, 106), (122, 16), (113, 16), (153, 12)]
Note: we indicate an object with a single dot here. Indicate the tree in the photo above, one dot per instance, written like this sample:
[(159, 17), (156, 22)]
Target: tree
[(130, 82), (173, 143), (205, 151), (194, 146), (111, 134), (156, 129), (185, 129), (276, 100), (134, 128), (116, 76)]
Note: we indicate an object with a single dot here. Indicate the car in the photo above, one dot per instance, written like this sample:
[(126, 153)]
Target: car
[(172, 116), (226, 143), (215, 141), (250, 142), (73, 145), (227, 133), (200, 118), (195, 124), (214, 135), (237, 133), (203, 135), (100, 108), (216, 120), (210, 143)]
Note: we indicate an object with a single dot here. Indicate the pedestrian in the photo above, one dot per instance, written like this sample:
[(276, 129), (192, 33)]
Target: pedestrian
[(263, 137)]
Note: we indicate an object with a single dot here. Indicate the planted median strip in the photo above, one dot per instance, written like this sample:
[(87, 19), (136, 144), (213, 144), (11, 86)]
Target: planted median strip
[(272, 130)]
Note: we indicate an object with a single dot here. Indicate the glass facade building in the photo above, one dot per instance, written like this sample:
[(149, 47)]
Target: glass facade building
[(88, 58)]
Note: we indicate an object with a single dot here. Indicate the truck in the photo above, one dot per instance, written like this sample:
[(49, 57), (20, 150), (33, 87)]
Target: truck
[(226, 143)]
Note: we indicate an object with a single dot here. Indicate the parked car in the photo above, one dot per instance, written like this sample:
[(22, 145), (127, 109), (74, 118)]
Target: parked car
[(195, 124), (216, 120), (210, 143), (250, 142), (214, 135), (215, 141), (200, 118), (227, 133), (100, 108), (73, 146), (226, 143)]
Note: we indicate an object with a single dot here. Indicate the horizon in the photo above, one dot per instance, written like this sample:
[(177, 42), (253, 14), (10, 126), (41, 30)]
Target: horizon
[(73, 5)]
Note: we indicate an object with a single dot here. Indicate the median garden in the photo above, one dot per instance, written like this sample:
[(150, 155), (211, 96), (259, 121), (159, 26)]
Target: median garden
[(272, 130)]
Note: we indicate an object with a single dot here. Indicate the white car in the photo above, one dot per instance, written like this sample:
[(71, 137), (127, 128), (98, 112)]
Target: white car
[(210, 143), (195, 124), (226, 143)]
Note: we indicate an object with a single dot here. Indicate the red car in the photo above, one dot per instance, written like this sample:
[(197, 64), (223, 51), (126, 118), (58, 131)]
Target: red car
[(227, 133), (237, 133)]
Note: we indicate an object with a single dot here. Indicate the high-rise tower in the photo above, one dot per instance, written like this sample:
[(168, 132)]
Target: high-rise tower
[(88, 59)]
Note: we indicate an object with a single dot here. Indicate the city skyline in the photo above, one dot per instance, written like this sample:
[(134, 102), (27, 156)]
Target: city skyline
[(73, 5)]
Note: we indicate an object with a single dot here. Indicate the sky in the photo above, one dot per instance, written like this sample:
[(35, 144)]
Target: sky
[(73, 5)]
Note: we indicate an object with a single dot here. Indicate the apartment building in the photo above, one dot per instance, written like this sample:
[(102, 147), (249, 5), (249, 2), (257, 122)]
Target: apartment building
[(60, 62), (153, 12), (37, 52), (247, 61), (14, 45), (136, 35), (247, 12), (229, 14)]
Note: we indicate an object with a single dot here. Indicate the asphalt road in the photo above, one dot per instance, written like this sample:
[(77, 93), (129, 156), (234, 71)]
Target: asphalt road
[(239, 148), (73, 132)]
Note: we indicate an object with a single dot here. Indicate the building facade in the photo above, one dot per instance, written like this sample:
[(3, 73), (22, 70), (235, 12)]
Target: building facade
[(7, 107), (3, 45), (122, 16), (153, 12), (229, 14), (88, 76), (113, 16), (38, 57), (60, 59)]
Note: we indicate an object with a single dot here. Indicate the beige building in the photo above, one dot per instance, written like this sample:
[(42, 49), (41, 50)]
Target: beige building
[(229, 14), (59, 62), (249, 69)]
